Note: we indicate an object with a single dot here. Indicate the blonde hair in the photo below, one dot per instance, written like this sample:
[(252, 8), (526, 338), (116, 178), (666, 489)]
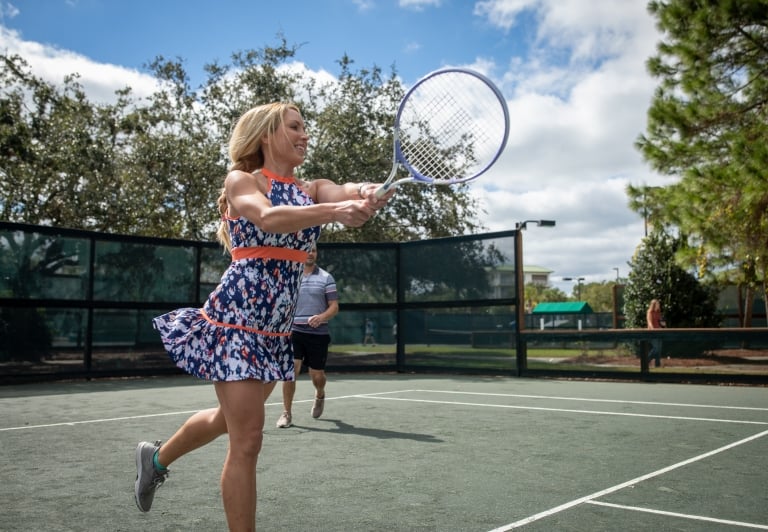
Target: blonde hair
[(246, 151)]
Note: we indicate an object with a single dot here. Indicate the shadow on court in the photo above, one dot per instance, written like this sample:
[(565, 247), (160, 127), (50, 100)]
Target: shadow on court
[(402, 453)]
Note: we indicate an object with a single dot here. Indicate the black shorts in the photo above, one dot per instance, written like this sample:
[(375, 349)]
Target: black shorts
[(311, 349)]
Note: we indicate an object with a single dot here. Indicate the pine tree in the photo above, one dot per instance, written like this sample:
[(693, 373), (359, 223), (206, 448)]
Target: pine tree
[(708, 129)]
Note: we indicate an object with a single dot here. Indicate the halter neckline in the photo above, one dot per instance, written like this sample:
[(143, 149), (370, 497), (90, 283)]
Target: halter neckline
[(271, 175)]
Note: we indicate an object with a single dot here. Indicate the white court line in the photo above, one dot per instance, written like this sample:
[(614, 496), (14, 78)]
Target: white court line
[(569, 410), (623, 485), (684, 516), (619, 401), (179, 413)]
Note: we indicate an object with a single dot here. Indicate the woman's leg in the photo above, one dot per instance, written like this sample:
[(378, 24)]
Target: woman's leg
[(289, 388), (200, 429), (152, 459), (242, 403)]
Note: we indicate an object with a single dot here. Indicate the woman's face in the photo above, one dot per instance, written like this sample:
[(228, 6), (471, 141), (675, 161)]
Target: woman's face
[(289, 142)]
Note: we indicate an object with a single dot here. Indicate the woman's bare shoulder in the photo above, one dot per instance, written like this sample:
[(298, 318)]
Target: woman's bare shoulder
[(239, 179)]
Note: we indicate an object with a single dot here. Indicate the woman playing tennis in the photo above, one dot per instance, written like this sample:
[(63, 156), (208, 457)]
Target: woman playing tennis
[(240, 339)]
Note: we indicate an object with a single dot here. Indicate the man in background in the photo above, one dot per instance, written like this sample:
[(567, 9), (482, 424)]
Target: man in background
[(318, 302)]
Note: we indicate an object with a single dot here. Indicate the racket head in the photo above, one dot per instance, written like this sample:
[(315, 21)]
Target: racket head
[(451, 126)]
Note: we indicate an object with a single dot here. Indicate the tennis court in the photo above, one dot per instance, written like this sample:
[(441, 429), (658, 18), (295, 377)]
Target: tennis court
[(401, 452)]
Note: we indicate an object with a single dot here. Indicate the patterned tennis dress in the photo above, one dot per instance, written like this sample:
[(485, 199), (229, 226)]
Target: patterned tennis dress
[(243, 330)]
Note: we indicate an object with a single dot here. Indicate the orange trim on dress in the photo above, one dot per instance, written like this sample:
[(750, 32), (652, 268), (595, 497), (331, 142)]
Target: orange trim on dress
[(271, 175), (241, 327), (269, 252)]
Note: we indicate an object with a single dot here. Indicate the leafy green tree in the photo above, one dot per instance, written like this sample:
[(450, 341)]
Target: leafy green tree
[(599, 295), (708, 126), (350, 125), (155, 167), (654, 274), (58, 151), (175, 163), (536, 293)]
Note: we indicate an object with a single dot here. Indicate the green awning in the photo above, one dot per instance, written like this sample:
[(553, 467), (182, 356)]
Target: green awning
[(564, 307)]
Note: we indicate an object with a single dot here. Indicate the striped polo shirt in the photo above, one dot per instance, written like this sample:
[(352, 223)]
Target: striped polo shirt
[(315, 291)]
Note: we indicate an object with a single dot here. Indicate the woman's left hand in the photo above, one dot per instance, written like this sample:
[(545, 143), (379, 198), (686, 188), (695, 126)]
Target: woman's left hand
[(368, 192)]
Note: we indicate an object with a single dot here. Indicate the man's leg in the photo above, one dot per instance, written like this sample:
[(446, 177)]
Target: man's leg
[(289, 390), (315, 357), (318, 380)]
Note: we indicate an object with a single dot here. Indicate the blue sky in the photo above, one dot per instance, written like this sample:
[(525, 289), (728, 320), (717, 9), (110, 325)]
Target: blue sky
[(572, 71), (415, 36)]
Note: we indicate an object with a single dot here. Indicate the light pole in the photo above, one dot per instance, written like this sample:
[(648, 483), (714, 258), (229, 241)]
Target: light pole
[(578, 285), (615, 297), (520, 348)]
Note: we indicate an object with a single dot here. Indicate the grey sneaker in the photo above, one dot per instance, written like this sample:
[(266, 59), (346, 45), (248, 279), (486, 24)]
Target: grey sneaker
[(148, 479), (284, 421), (317, 406)]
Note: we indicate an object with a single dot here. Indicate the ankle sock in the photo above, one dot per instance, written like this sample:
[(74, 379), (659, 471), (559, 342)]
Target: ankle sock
[(157, 465)]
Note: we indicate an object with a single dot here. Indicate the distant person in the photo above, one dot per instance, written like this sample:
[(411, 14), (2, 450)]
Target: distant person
[(240, 338), (318, 302), (368, 334), (655, 321)]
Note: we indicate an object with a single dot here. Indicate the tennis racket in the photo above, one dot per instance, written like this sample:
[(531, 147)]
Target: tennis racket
[(450, 127)]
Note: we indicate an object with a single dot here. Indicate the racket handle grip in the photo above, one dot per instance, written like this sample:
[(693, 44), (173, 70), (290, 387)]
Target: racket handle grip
[(383, 189)]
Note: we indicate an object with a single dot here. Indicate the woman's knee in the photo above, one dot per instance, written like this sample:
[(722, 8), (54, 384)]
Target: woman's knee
[(248, 442)]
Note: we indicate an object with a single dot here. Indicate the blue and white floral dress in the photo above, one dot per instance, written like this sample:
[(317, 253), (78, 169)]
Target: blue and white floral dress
[(243, 330)]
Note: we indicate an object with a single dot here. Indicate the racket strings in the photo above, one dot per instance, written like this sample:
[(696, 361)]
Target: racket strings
[(449, 134)]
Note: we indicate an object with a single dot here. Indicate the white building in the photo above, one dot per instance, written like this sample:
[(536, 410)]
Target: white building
[(502, 279)]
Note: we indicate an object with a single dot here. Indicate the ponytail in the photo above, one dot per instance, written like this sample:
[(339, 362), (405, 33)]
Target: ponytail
[(223, 233)]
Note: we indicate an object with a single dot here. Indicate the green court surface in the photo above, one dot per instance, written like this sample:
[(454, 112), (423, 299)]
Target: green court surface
[(396, 452)]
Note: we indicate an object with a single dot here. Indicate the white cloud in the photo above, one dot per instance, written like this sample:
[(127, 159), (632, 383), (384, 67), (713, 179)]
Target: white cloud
[(99, 80), (419, 5), (577, 104), (411, 47), (7, 10), (364, 5), (503, 13)]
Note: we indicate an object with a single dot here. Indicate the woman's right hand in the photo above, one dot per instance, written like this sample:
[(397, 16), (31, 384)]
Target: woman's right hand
[(353, 213)]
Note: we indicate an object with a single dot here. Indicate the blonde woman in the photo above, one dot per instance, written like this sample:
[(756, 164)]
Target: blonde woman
[(654, 321), (240, 339)]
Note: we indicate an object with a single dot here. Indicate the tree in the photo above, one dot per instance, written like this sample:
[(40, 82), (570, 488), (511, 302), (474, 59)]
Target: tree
[(59, 153), (351, 124), (155, 167), (708, 126), (654, 274), (536, 293), (599, 295)]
